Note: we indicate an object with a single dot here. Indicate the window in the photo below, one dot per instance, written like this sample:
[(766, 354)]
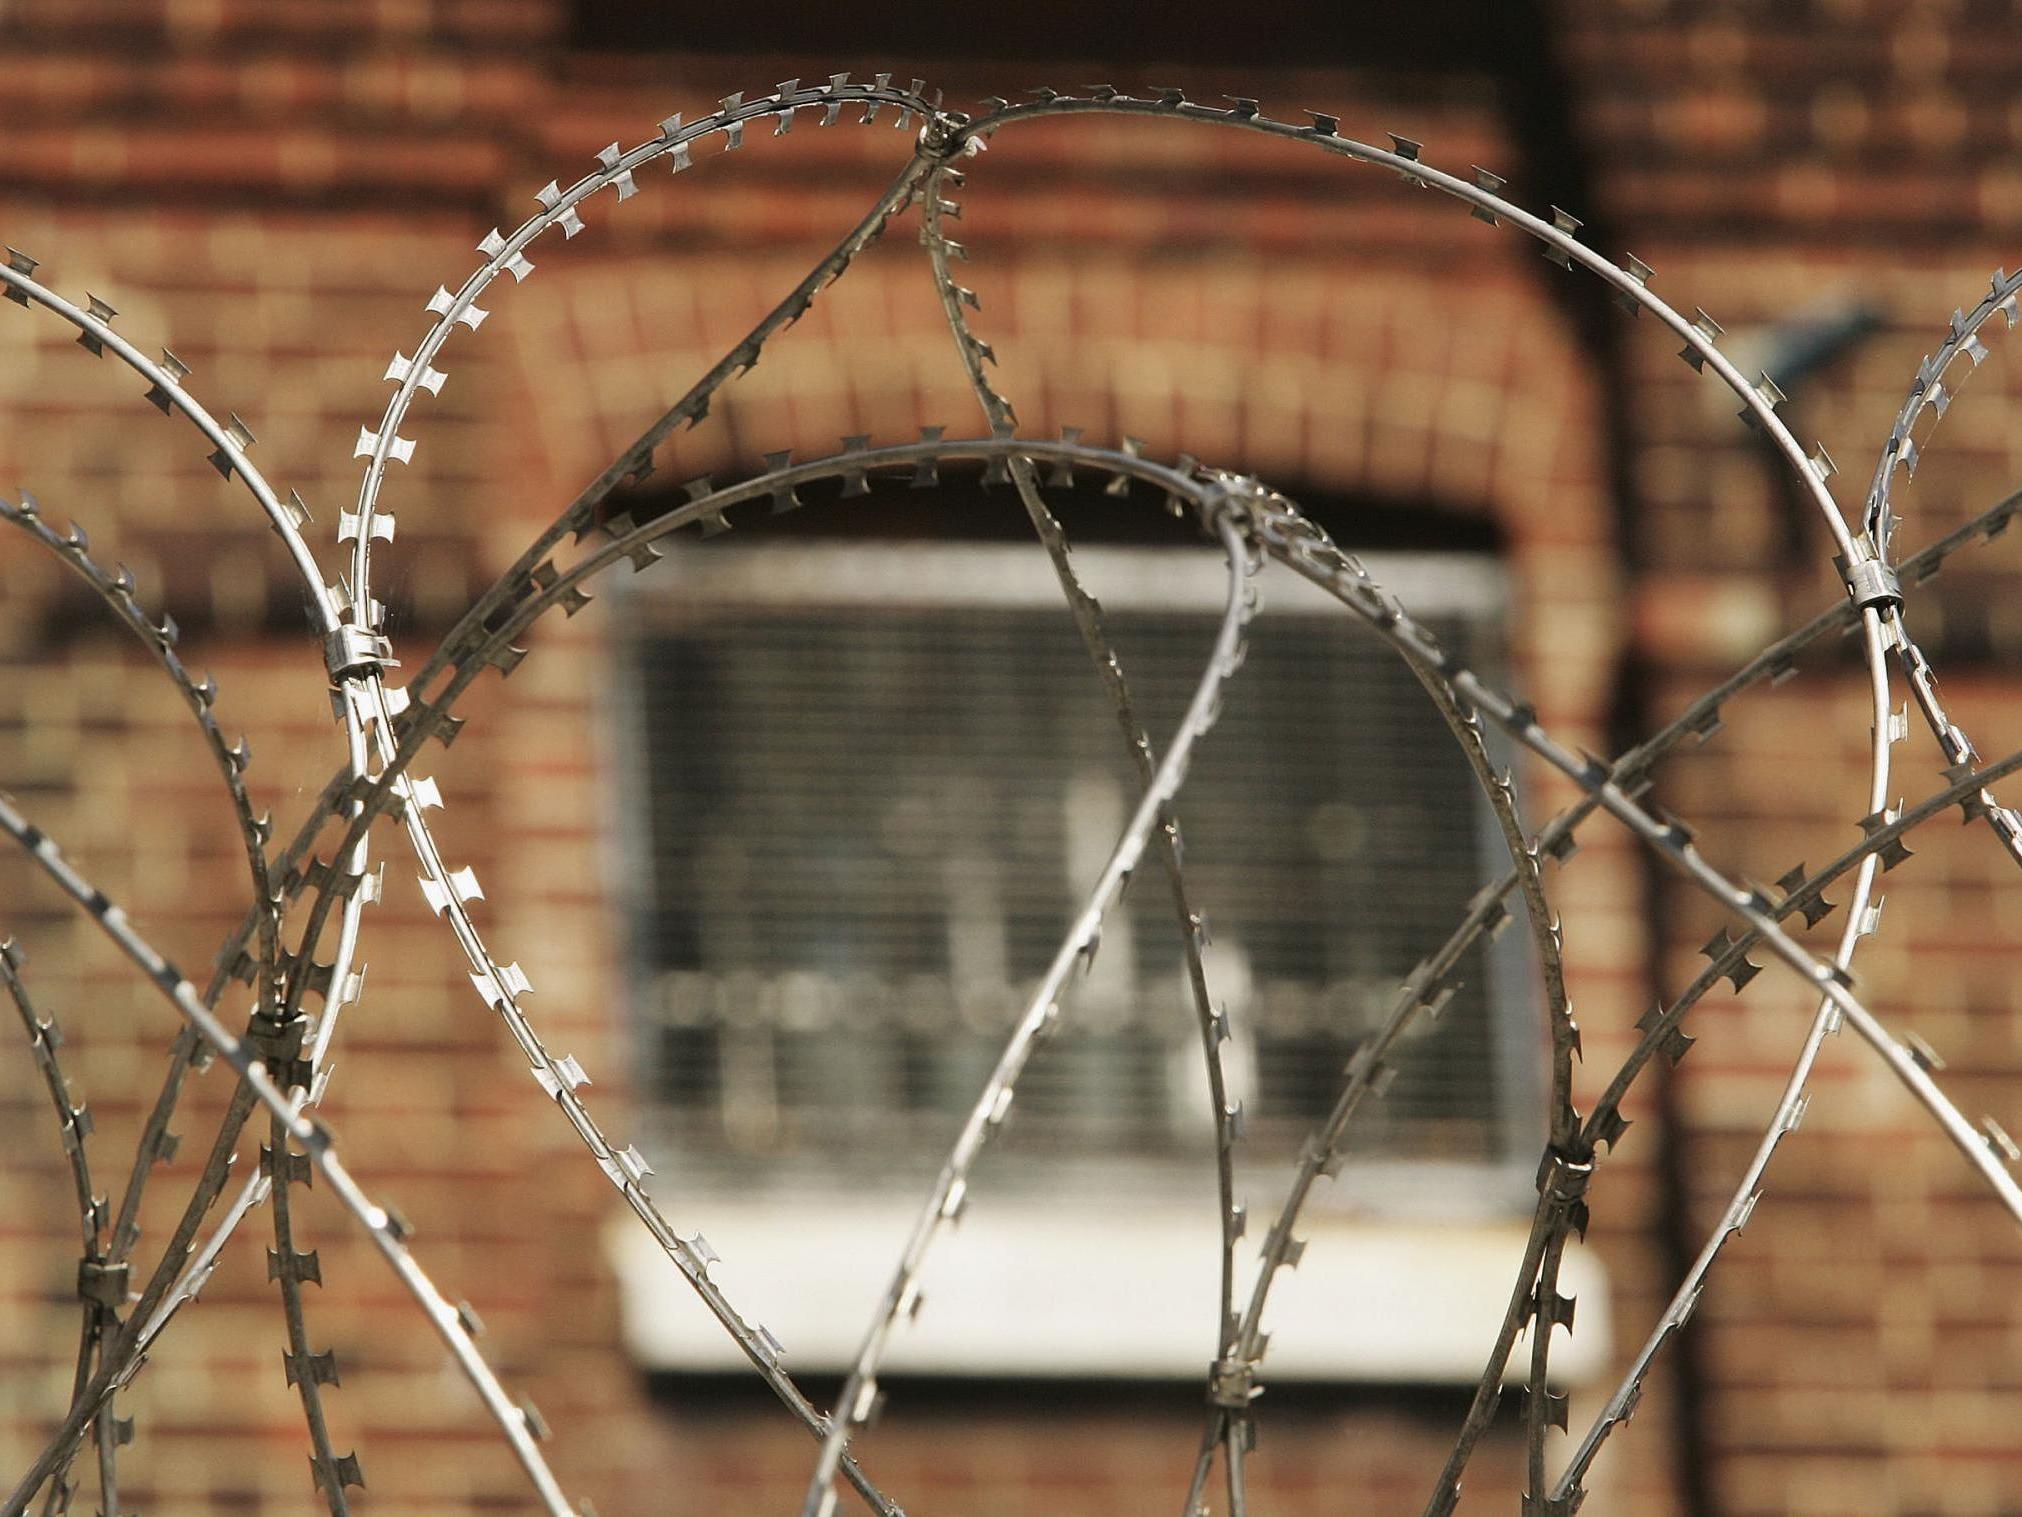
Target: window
[(870, 780), (880, 775)]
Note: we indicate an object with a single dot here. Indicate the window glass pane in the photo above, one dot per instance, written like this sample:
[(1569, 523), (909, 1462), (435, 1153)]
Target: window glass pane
[(870, 825)]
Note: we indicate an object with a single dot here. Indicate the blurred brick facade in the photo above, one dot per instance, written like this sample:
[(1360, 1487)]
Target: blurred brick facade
[(273, 191)]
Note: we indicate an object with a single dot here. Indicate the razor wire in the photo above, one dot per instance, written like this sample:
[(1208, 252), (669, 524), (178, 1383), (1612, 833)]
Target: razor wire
[(1223, 1115), (99, 1289), (324, 871)]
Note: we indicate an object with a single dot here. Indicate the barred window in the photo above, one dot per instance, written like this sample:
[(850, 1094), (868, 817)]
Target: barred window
[(877, 777)]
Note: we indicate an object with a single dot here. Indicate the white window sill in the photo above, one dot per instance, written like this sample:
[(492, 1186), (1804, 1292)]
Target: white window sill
[(1069, 1288)]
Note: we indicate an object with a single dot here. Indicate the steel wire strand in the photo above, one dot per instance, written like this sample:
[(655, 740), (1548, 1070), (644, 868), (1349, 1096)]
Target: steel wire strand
[(1086, 611), (346, 882), (98, 1289), (1232, 1376), (430, 718), (1790, 1107), (1431, 990), (447, 889), (1563, 1181), (853, 465), (1631, 285), (1929, 394), (115, 589), (559, 209), (1673, 842), (387, 1230), (1369, 1073), (230, 442), (946, 1197), (636, 462), (515, 583)]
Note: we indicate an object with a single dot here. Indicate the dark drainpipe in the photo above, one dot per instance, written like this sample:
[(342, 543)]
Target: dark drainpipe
[(1542, 106)]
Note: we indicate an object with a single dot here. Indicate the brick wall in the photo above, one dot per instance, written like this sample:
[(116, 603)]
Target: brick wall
[(274, 191), (1799, 159)]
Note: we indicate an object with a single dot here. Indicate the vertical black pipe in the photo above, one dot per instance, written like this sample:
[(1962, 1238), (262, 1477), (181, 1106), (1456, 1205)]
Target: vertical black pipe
[(1543, 109)]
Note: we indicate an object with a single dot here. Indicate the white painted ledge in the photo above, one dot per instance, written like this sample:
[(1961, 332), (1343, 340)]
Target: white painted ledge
[(1029, 1288)]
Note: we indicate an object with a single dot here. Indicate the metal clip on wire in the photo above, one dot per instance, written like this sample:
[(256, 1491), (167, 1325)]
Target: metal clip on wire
[(353, 653)]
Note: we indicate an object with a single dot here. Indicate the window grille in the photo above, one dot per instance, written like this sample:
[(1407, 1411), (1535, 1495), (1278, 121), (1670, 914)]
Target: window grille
[(878, 775)]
